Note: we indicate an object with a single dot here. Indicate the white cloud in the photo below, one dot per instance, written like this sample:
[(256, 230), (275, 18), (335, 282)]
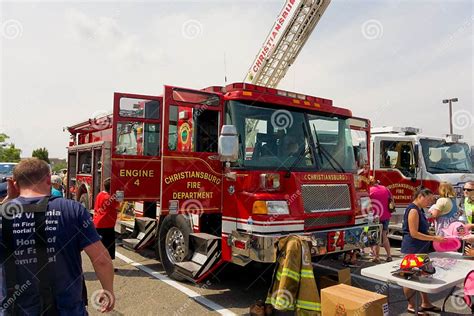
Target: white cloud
[(104, 34)]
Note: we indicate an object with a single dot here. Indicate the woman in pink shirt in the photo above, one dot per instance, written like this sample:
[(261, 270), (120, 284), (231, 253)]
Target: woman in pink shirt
[(380, 198)]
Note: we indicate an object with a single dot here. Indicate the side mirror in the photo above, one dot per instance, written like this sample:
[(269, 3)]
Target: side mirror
[(228, 144), (416, 153)]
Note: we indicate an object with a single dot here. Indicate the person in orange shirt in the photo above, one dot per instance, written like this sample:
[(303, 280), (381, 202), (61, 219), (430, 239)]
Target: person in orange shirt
[(105, 216)]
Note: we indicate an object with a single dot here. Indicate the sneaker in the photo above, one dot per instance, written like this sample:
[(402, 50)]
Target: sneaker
[(389, 259)]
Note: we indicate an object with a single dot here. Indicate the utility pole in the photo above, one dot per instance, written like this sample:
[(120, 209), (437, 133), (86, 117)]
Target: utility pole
[(450, 101)]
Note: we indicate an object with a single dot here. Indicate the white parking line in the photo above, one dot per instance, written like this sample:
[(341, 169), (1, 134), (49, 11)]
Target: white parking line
[(190, 293)]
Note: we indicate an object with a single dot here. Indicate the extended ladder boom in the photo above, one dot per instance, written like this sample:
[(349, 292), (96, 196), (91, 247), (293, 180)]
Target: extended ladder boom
[(288, 35)]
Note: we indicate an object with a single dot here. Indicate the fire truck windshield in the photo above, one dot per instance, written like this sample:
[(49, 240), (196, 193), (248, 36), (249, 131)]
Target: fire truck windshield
[(284, 139), (442, 157)]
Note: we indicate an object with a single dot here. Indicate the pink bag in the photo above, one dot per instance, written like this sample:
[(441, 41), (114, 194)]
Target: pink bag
[(452, 234), (450, 244)]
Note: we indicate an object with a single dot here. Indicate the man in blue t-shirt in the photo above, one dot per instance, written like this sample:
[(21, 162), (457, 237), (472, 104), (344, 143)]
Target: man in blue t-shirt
[(68, 229)]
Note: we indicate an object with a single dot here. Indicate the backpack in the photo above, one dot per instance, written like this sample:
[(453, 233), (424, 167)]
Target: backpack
[(46, 292)]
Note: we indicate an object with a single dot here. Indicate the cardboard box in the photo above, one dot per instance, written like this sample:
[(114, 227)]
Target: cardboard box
[(345, 300)]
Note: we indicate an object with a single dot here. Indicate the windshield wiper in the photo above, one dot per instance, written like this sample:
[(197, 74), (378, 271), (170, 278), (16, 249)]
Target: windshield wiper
[(300, 155), (297, 161), (447, 169), (456, 170), (323, 152), (436, 168)]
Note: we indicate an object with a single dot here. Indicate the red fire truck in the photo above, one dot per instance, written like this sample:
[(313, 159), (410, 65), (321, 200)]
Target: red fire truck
[(220, 174)]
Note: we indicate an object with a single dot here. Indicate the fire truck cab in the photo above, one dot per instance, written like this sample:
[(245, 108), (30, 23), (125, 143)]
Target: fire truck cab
[(221, 174), (404, 159)]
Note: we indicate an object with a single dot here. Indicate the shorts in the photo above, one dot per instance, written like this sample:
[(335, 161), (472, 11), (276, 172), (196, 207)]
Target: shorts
[(108, 239), (385, 225)]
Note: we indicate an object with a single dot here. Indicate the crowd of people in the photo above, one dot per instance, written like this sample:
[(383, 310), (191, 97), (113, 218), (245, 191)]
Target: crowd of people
[(442, 211), (417, 239)]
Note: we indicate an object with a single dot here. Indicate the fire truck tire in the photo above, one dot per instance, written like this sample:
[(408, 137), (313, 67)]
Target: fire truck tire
[(173, 243), (84, 200)]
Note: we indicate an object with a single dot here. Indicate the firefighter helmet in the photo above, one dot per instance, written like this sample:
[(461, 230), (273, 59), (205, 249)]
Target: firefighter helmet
[(415, 265)]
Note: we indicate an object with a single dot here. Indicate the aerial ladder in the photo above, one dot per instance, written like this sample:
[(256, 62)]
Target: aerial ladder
[(287, 37)]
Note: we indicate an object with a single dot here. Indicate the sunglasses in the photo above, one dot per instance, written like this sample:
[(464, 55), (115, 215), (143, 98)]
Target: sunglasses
[(468, 190)]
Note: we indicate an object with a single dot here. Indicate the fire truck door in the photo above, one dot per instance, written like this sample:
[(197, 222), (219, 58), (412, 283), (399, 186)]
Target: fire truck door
[(395, 166), (192, 173), (136, 150), (360, 133)]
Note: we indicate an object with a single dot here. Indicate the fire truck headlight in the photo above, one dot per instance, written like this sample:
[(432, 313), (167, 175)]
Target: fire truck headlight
[(278, 208), (270, 208)]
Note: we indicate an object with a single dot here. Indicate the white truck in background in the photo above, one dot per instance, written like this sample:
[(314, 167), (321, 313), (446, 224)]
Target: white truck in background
[(403, 159)]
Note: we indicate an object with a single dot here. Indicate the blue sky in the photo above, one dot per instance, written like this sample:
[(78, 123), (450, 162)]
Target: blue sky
[(390, 61)]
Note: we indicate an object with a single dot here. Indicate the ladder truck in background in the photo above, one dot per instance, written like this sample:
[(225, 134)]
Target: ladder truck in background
[(287, 37)]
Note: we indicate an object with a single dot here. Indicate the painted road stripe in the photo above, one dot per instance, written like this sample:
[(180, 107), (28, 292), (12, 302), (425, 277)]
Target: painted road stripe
[(190, 293)]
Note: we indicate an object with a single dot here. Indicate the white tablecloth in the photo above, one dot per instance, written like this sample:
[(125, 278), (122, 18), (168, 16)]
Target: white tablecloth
[(455, 270)]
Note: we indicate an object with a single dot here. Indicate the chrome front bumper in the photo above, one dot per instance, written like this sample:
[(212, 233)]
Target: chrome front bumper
[(248, 247)]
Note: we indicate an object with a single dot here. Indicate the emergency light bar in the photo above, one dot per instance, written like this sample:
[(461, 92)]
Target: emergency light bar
[(411, 130), (396, 130), (453, 138), (249, 88)]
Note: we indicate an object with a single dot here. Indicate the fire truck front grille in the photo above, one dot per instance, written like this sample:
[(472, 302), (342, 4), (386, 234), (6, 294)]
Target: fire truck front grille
[(323, 221), (326, 197)]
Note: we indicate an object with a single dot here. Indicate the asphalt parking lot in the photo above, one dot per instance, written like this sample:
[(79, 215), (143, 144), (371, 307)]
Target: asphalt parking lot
[(142, 288)]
